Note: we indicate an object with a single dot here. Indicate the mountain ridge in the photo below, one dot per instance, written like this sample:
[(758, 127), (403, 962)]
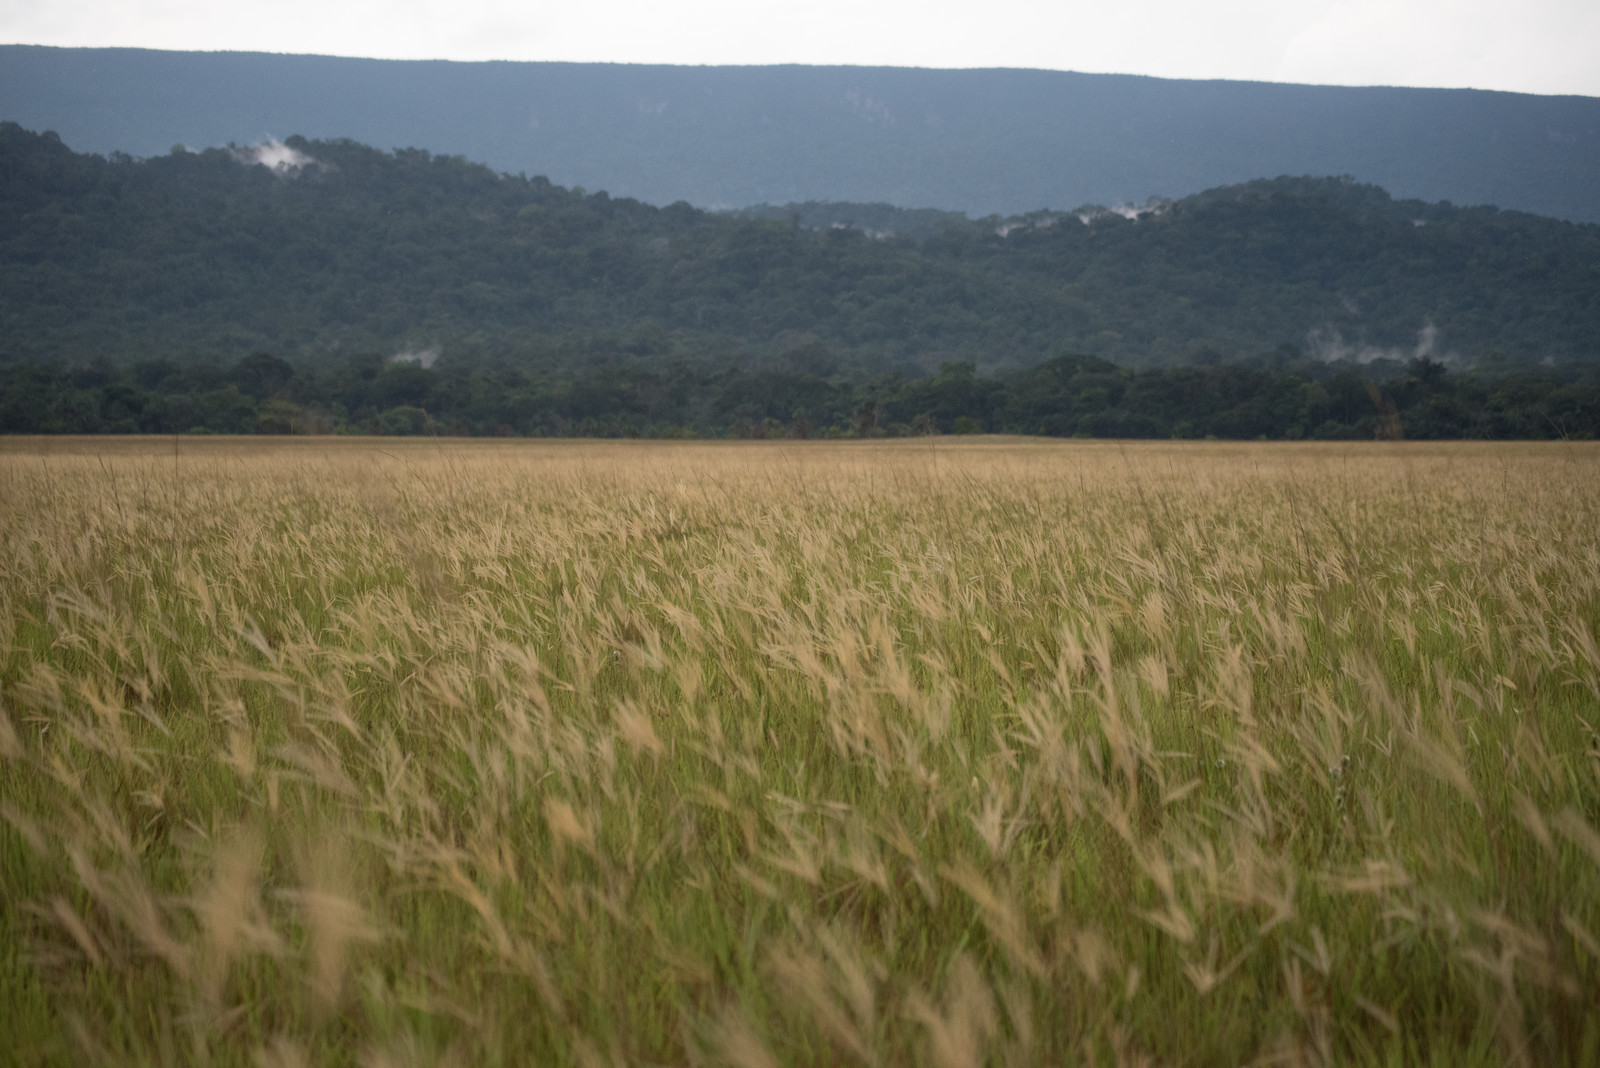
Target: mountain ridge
[(981, 141)]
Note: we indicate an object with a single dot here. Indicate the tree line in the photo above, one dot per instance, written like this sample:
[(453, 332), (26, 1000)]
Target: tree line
[(1064, 396)]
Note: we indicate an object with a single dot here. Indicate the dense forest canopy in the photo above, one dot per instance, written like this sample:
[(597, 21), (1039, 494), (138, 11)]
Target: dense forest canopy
[(1278, 399), (344, 249)]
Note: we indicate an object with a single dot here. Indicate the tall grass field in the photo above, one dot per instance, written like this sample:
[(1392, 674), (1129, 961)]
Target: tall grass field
[(934, 752)]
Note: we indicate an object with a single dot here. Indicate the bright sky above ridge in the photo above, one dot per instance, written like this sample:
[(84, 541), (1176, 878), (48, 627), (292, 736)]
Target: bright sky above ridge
[(1538, 46)]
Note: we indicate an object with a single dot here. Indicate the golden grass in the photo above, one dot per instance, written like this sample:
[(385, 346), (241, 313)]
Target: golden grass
[(1022, 752)]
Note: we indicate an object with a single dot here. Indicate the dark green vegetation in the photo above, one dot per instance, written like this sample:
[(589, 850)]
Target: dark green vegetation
[(195, 257), (971, 140), (143, 296), (1070, 395)]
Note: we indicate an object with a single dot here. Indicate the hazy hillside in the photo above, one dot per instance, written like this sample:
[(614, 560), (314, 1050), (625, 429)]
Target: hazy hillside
[(202, 256), (978, 141)]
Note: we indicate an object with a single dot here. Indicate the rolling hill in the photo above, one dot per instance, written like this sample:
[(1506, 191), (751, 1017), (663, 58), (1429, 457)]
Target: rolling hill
[(205, 256)]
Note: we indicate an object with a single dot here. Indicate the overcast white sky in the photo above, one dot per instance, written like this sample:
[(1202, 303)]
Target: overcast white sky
[(1539, 46)]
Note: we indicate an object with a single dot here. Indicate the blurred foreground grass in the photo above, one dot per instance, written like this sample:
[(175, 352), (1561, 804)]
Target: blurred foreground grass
[(985, 752)]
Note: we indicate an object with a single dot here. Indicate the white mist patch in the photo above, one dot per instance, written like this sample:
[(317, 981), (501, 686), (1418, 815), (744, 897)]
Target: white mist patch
[(1327, 344), (274, 155), (870, 108), (1039, 220), (1127, 209), (421, 357), (1427, 340), (876, 235)]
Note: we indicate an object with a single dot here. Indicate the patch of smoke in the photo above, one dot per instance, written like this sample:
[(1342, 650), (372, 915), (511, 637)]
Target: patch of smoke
[(421, 357), (274, 155), (1327, 344)]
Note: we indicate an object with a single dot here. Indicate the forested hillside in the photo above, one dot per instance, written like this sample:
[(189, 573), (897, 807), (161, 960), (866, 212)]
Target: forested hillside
[(205, 257)]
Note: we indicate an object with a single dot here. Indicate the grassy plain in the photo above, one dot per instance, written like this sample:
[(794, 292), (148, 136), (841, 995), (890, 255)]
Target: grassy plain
[(935, 752)]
